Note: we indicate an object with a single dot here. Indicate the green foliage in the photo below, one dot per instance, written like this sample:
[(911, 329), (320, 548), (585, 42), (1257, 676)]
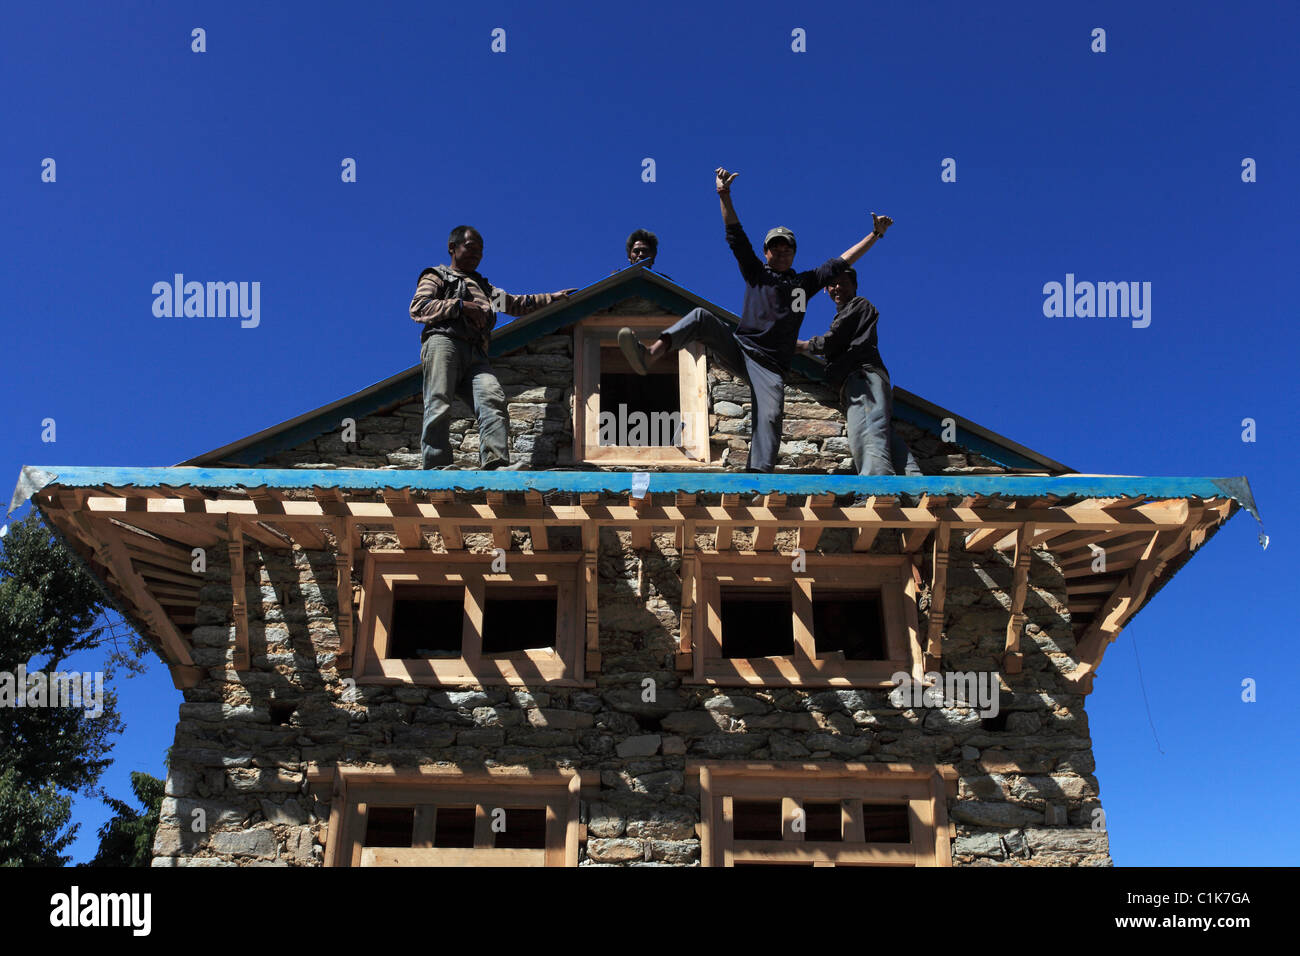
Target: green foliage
[(127, 839), (50, 608), (32, 822)]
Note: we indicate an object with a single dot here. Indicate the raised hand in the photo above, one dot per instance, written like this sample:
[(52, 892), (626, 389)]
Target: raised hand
[(880, 223), (722, 180)]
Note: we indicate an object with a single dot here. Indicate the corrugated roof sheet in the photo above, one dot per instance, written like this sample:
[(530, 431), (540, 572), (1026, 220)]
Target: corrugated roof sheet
[(35, 477)]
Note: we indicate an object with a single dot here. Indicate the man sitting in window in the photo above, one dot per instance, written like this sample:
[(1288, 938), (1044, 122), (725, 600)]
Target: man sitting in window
[(457, 306), (855, 369), (761, 348)]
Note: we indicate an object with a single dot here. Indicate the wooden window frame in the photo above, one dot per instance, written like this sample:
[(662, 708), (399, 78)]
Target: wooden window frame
[(355, 791), (385, 569), (589, 337), (889, 574), (924, 789)]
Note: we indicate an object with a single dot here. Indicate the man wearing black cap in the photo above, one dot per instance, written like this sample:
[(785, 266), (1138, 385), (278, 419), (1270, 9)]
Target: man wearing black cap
[(855, 369), (761, 348)]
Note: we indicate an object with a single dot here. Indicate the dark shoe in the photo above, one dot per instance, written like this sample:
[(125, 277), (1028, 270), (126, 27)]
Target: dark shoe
[(633, 350)]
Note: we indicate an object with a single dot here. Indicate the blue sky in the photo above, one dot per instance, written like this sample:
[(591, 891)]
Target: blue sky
[(1117, 166)]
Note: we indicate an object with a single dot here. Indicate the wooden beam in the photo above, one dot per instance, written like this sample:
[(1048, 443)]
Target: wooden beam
[(810, 532), (1013, 659), (112, 552), (640, 528), (911, 591), (865, 538), (765, 534), (239, 597), (343, 562), (1124, 602), (690, 571), (537, 529), (591, 584), (982, 539), (264, 535), (805, 648), (938, 596)]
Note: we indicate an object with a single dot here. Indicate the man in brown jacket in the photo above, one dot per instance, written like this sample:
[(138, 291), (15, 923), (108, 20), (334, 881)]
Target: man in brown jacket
[(458, 308)]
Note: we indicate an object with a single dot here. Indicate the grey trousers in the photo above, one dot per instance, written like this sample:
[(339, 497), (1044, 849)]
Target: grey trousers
[(869, 401), (766, 385), (455, 367)]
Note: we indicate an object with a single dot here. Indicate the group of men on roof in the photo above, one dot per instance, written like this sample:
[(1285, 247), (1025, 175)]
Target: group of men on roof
[(457, 308)]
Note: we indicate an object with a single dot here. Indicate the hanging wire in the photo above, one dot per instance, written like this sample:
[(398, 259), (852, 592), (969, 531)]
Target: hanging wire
[(1142, 683)]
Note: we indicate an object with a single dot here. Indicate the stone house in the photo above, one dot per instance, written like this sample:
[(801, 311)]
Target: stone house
[(633, 653)]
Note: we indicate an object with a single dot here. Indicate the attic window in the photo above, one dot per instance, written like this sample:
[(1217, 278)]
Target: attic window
[(622, 418), (842, 622), (451, 620), (639, 410)]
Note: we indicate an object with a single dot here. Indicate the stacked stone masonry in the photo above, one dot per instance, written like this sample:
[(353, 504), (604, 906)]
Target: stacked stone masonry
[(539, 387), (1026, 792)]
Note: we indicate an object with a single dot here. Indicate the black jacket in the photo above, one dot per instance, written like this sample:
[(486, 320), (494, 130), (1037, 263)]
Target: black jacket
[(850, 343), (769, 327)]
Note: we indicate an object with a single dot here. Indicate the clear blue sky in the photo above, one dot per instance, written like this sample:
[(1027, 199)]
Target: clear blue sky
[(1115, 166)]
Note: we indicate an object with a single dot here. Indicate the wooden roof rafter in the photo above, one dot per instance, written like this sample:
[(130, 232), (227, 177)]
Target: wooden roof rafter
[(158, 528)]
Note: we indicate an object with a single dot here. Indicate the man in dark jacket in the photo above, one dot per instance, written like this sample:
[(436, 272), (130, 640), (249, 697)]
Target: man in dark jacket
[(761, 348), (457, 308), (855, 369)]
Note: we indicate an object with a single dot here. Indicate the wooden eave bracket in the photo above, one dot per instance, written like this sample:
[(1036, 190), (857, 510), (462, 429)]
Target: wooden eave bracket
[(1125, 600), (106, 542)]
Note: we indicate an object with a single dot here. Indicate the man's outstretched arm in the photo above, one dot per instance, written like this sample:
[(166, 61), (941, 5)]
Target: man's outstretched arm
[(722, 182), (817, 279), (856, 252), (751, 267)]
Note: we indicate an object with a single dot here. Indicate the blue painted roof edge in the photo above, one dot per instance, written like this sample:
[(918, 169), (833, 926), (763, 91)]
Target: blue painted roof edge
[(34, 477)]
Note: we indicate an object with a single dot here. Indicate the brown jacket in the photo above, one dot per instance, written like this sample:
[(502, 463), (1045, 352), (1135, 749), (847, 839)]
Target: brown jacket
[(438, 307)]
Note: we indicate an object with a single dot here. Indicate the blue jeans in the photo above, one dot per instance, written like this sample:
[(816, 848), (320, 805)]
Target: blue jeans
[(455, 367), (869, 400), (766, 385)]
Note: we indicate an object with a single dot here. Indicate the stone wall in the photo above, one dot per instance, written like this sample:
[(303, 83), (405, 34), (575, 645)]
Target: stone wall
[(244, 740), (539, 386)]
